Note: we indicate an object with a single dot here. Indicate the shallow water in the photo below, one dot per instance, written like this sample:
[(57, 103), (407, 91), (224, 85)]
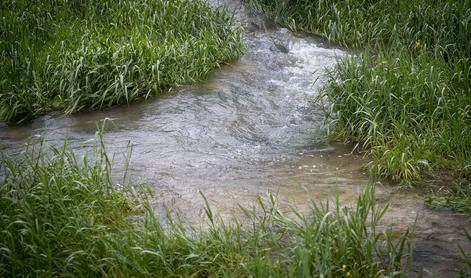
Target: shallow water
[(248, 130)]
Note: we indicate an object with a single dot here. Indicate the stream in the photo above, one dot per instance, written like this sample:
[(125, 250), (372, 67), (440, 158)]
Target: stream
[(250, 129)]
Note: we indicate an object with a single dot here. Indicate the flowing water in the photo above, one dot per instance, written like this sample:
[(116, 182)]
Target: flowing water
[(249, 129)]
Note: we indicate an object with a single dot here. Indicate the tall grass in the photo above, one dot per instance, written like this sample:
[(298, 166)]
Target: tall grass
[(412, 111), (81, 55), (443, 26), (405, 96), (61, 215)]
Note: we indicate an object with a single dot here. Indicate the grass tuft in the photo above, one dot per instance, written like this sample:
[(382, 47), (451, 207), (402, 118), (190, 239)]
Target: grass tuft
[(83, 55)]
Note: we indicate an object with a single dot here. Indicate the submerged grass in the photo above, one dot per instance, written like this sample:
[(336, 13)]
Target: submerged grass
[(405, 97), (62, 215), (457, 197), (81, 55)]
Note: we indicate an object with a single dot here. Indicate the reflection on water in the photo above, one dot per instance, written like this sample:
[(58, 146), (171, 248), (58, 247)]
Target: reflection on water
[(248, 130)]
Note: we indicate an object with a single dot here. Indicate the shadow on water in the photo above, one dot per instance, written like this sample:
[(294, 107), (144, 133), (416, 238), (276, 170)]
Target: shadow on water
[(248, 130)]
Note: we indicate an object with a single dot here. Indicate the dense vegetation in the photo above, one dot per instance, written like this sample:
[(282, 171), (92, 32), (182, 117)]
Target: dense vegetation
[(88, 54), (404, 96), (62, 215)]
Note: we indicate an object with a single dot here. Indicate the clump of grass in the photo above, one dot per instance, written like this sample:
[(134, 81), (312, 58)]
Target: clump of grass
[(405, 97), (411, 110), (457, 196), (81, 55), (61, 215)]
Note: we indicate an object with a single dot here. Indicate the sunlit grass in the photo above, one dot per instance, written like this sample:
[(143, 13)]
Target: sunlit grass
[(62, 215), (82, 55)]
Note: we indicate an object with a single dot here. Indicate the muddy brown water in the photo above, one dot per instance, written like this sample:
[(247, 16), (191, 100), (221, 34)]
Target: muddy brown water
[(248, 130)]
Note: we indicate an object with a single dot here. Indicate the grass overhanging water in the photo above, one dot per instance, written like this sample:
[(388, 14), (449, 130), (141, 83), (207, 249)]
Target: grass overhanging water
[(68, 56), (61, 214), (404, 95)]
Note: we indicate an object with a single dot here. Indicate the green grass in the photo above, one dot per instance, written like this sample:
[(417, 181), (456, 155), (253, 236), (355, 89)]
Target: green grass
[(404, 97), (457, 196), (61, 215), (443, 26), (410, 110), (89, 54)]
